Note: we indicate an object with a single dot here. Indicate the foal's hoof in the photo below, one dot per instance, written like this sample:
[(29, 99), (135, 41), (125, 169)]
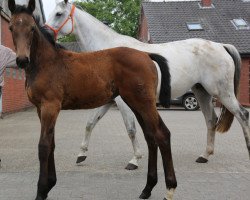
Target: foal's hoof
[(144, 195), (131, 166), (201, 160), (39, 198), (80, 159)]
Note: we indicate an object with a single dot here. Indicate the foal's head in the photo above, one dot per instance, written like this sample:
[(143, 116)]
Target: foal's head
[(22, 26)]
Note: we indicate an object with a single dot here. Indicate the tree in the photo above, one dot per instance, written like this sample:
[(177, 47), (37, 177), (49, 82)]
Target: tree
[(120, 15)]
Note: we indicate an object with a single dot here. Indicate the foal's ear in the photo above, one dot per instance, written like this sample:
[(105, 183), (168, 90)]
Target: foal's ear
[(32, 5), (12, 5), (66, 1)]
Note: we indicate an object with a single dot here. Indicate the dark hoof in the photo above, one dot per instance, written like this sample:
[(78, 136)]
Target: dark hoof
[(131, 167), (201, 160), (144, 195), (40, 198), (81, 159), (164, 199)]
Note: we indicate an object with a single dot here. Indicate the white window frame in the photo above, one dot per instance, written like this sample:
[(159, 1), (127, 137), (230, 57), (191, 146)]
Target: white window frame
[(239, 27), (188, 24)]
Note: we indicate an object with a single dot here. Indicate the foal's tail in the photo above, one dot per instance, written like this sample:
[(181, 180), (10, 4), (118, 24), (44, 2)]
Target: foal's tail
[(165, 91), (226, 118)]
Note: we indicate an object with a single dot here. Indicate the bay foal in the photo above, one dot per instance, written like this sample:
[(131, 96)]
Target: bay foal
[(58, 79)]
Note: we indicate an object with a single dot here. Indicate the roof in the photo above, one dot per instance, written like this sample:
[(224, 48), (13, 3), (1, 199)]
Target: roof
[(167, 21), (72, 46)]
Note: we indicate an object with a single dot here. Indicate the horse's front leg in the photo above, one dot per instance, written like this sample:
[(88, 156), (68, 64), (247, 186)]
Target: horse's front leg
[(47, 177), (129, 121), (97, 115)]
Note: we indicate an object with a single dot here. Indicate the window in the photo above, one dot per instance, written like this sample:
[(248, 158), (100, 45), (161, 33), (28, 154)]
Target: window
[(240, 24), (194, 26)]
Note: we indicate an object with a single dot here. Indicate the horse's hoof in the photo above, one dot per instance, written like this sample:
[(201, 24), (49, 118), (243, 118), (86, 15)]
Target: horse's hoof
[(164, 199), (80, 159), (39, 198), (131, 166), (144, 195), (201, 160)]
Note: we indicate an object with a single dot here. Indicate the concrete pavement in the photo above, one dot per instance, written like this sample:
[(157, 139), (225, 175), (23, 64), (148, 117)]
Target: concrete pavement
[(225, 177)]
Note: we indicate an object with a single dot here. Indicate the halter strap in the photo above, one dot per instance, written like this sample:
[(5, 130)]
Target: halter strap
[(70, 17)]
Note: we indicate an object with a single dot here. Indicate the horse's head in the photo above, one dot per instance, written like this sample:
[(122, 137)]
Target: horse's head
[(22, 26), (61, 20)]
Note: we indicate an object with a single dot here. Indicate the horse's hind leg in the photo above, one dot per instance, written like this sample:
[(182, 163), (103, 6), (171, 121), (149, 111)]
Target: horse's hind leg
[(205, 102), (128, 118), (242, 115), (97, 115)]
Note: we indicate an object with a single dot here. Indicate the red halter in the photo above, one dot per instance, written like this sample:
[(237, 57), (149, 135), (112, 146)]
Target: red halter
[(56, 31)]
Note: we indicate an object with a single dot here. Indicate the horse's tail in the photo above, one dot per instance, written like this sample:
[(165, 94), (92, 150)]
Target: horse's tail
[(226, 117), (165, 91)]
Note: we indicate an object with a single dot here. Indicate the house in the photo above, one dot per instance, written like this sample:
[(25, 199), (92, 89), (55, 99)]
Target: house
[(221, 21), (14, 97)]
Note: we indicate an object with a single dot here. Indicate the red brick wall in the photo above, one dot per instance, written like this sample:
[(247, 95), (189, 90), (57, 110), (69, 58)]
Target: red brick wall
[(14, 95), (244, 83)]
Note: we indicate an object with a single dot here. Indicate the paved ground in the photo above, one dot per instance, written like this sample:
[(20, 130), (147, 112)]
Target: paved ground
[(102, 177)]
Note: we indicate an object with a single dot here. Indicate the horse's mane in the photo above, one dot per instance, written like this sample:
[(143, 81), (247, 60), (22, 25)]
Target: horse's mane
[(44, 30)]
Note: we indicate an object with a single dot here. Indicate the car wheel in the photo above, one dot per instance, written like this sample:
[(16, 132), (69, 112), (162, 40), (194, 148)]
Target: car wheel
[(190, 102)]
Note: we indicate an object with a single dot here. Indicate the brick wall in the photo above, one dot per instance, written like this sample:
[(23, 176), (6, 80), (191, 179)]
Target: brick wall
[(14, 95), (244, 83)]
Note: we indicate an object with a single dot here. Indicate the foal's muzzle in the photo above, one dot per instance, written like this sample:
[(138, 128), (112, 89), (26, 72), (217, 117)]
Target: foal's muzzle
[(22, 62)]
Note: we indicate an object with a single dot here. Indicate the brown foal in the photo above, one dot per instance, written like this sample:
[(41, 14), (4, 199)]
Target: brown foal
[(58, 79)]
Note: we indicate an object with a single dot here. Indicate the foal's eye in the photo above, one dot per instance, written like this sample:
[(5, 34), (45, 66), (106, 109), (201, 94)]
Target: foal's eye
[(58, 14), (10, 28), (32, 28)]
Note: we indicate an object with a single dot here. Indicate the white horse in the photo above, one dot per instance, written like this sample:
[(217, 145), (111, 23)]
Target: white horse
[(209, 68)]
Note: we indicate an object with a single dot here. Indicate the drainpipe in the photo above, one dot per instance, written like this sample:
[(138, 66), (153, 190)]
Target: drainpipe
[(1, 109)]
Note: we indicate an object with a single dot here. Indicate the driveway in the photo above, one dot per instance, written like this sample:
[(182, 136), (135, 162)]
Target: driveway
[(225, 177)]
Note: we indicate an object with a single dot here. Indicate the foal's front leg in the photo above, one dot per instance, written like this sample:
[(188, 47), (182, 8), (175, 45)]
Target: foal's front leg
[(47, 176)]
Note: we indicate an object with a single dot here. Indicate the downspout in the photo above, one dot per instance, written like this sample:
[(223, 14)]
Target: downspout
[(1, 108), (42, 11)]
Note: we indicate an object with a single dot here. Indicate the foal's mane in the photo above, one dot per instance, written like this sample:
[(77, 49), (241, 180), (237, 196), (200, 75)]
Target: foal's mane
[(44, 30)]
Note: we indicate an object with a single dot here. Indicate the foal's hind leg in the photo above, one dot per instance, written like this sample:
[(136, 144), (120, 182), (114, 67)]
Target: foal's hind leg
[(152, 177), (128, 118), (157, 134), (205, 101), (97, 115)]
